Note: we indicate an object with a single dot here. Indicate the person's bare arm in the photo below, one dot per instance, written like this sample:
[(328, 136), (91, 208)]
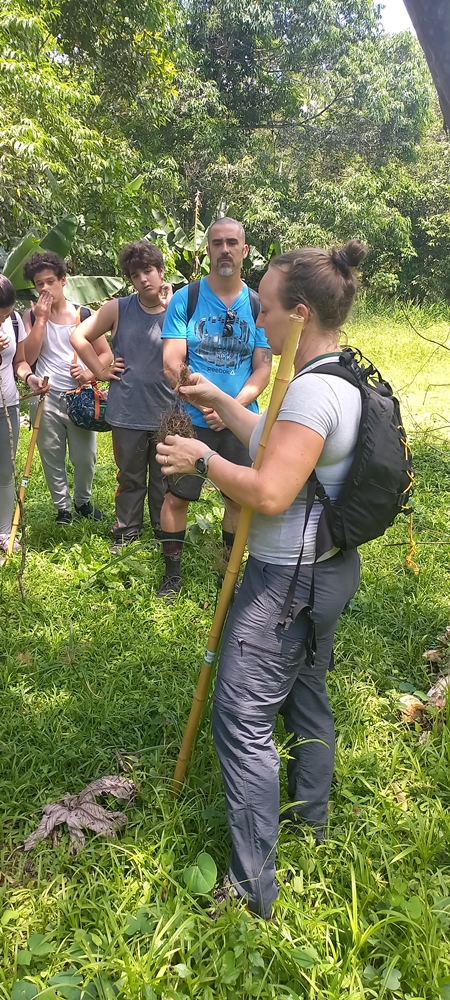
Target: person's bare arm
[(89, 342), (23, 371), (259, 379), (270, 489), (36, 331), (174, 355)]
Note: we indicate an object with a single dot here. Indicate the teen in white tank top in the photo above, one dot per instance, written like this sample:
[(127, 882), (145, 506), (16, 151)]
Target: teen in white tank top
[(56, 357)]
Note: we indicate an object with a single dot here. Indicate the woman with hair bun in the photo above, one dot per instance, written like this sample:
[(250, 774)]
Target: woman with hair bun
[(264, 666)]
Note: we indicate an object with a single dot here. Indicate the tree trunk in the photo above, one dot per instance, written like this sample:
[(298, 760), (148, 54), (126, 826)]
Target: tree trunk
[(431, 19)]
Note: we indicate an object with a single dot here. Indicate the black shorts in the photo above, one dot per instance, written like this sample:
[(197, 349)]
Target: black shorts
[(226, 444)]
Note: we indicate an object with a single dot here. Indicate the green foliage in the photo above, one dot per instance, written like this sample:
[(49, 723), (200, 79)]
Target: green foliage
[(202, 875), (54, 159), (84, 290), (188, 250), (307, 121)]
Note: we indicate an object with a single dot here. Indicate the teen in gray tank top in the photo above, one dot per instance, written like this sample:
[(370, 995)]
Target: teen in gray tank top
[(139, 393), (143, 392)]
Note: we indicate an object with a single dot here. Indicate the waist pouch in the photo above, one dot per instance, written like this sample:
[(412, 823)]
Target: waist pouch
[(86, 407)]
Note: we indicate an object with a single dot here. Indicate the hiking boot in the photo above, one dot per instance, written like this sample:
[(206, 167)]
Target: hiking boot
[(4, 542), (64, 517), (222, 896), (121, 543), (87, 510), (170, 587)]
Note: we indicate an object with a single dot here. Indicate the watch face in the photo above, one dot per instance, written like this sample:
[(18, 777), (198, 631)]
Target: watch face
[(201, 466)]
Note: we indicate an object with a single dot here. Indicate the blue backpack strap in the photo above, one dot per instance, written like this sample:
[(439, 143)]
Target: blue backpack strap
[(192, 299)]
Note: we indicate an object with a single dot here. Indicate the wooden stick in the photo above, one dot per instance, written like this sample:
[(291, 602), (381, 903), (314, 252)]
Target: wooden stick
[(280, 385), (26, 472)]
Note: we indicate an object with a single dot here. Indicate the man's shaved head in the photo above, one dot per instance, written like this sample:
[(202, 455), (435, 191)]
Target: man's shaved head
[(227, 222)]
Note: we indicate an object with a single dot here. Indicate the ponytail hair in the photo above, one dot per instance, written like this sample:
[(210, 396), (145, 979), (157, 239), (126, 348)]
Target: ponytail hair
[(326, 281)]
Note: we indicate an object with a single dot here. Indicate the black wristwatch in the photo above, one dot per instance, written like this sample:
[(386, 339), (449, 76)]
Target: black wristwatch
[(202, 463)]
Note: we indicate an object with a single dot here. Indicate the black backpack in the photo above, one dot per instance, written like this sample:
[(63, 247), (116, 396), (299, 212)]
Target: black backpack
[(380, 480), (193, 293)]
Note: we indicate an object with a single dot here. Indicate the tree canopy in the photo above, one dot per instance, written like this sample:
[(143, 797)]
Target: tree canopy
[(303, 119)]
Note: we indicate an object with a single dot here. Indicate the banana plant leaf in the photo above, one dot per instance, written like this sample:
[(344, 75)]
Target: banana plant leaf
[(60, 238), (13, 266), (87, 289), (135, 184)]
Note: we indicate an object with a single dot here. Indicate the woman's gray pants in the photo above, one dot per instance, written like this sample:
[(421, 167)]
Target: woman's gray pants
[(262, 671), (7, 495)]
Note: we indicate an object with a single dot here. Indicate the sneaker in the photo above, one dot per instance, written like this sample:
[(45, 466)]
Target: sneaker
[(222, 896), (121, 543), (4, 542), (64, 517), (87, 510), (170, 587)]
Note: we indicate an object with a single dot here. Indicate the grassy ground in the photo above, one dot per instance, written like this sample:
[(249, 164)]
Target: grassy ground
[(92, 668)]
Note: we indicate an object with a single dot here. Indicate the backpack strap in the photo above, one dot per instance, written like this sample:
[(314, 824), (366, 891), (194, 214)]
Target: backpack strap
[(314, 489), (15, 326), (84, 312), (305, 606), (192, 299), (194, 291), (255, 304)]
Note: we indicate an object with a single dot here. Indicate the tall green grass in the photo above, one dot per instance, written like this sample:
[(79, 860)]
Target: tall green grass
[(94, 670)]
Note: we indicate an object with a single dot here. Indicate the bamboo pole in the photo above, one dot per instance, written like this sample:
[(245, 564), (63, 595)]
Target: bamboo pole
[(279, 389), (26, 472)]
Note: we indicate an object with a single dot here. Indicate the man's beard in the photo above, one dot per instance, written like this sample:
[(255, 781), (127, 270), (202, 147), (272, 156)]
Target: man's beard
[(226, 269)]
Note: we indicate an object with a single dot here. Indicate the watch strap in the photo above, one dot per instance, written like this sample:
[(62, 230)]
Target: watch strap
[(205, 458)]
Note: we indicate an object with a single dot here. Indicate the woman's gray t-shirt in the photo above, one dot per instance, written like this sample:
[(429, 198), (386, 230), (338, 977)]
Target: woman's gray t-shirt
[(332, 407), (143, 393)]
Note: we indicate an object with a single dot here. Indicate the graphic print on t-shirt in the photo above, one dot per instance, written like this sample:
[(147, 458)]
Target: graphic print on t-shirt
[(215, 347)]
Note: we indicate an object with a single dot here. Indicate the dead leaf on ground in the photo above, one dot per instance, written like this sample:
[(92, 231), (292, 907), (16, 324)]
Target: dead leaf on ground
[(81, 811), (400, 796), (432, 655), (412, 709), (438, 693)]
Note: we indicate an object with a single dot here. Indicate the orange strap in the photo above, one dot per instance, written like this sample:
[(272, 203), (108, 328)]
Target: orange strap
[(77, 323)]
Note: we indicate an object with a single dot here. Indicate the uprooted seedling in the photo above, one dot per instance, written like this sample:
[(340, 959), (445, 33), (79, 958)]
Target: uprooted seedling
[(176, 420)]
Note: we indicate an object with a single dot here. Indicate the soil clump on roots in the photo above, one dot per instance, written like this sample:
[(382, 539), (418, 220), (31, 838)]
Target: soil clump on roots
[(176, 420)]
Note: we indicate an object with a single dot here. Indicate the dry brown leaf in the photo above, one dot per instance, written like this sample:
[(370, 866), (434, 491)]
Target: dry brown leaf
[(438, 693), (412, 708), (432, 655), (81, 811), (400, 796)]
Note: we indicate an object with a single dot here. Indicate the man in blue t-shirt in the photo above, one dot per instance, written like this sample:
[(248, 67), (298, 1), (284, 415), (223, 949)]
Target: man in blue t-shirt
[(221, 341)]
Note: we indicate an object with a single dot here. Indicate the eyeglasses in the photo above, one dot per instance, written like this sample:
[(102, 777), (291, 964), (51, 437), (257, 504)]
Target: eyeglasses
[(230, 318)]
